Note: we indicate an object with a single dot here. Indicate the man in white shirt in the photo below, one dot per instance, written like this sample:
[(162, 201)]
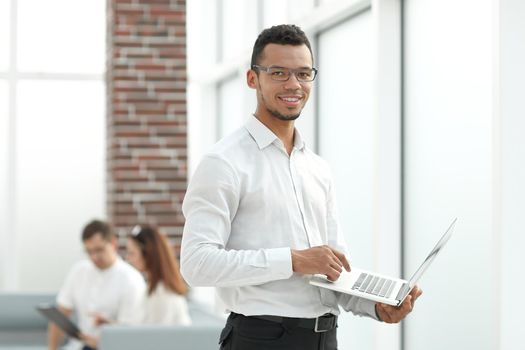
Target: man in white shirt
[(261, 216), (101, 287)]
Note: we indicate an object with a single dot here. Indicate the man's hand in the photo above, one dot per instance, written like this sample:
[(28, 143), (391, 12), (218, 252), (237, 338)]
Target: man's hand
[(100, 319), (394, 314), (323, 260)]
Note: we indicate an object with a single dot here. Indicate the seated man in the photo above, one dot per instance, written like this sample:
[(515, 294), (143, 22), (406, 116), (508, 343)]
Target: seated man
[(101, 286)]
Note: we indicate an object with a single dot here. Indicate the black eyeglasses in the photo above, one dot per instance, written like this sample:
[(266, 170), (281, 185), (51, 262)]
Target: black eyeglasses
[(303, 75)]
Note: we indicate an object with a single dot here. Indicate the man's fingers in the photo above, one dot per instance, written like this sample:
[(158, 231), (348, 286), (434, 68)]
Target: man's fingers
[(321, 259), (331, 256), (391, 314), (335, 265), (342, 259), (416, 293), (332, 274), (346, 264), (407, 305)]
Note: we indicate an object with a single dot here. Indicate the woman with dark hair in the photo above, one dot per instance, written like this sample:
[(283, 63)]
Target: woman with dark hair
[(150, 253)]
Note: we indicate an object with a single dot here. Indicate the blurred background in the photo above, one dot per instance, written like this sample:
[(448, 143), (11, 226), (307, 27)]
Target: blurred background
[(107, 106)]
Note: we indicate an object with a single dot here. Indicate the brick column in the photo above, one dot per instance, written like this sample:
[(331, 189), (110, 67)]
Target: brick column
[(146, 114)]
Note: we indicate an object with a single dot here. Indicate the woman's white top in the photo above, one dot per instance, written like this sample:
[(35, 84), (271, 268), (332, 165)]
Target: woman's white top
[(166, 307)]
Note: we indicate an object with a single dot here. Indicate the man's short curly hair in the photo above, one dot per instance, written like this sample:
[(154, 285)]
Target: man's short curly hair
[(284, 34)]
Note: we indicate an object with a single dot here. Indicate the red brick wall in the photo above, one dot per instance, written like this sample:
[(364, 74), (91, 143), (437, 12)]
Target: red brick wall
[(146, 114)]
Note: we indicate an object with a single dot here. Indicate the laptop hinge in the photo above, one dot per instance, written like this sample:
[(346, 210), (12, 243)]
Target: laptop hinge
[(402, 291)]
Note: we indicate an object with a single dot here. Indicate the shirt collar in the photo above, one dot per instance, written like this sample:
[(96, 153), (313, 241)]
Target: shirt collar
[(264, 136)]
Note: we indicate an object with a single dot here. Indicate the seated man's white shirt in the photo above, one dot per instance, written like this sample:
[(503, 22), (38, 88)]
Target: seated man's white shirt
[(116, 293), (166, 307), (247, 204)]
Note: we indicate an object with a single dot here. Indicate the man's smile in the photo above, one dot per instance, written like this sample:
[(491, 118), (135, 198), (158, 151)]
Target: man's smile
[(290, 100)]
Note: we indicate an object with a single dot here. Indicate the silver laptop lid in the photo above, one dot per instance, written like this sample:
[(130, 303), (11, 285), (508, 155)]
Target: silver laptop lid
[(407, 287), (430, 258)]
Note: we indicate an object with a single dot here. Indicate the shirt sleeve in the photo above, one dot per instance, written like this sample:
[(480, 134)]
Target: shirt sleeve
[(209, 207), (358, 306), (65, 297)]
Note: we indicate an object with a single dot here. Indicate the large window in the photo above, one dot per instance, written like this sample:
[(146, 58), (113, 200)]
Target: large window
[(4, 35), (52, 136), (231, 111), (60, 173), (448, 172), (61, 36), (346, 141)]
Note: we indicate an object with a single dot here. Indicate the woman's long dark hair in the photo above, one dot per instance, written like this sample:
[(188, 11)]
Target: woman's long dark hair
[(161, 264)]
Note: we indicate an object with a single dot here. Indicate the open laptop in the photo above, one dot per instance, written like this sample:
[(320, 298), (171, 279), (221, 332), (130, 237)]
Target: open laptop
[(377, 287), (61, 320)]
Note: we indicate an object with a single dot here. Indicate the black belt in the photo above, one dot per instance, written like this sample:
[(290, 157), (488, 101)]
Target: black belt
[(319, 324)]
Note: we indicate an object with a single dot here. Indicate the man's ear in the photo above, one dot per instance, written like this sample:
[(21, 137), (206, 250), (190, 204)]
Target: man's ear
[(114, 242), (251, 78)]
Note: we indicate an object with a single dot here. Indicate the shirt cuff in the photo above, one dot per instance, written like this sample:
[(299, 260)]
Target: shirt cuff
[(370, 308), (377, 315), (280, 262)]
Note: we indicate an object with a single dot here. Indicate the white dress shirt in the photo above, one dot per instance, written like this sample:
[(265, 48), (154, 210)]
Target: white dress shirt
[(247, 205), (117, 293)]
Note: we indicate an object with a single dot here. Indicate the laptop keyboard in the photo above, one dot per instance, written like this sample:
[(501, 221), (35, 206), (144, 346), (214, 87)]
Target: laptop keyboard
[(374, 285)]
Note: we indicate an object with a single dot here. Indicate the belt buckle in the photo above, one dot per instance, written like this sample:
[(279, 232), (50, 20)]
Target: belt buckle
[(316, 327)]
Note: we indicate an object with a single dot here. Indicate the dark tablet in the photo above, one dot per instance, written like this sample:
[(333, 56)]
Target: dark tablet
[(61, 320)]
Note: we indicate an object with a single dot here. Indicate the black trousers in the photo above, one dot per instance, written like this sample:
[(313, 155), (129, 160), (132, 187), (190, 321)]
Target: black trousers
[(250, 333)]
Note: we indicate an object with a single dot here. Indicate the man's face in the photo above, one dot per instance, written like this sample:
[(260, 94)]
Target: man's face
[(101, 252), (283, 100)]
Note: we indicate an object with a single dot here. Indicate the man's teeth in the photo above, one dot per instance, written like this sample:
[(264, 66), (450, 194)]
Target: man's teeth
[(290, 99)]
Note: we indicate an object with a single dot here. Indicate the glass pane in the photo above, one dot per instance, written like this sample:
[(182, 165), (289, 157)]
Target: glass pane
[(231, 112), (66, 36), (448, 172), (346, 141), (299, 8), (4, 34), (60, 172), (231, 35), (275, 12), (250, 26), (323, 2), (4, 166)]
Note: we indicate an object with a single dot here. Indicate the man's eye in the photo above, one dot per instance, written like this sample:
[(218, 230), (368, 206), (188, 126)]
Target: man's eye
[(304, 74), (278, 73)]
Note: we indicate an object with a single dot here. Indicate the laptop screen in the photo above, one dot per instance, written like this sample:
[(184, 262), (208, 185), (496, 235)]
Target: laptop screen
[(430, 258)]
